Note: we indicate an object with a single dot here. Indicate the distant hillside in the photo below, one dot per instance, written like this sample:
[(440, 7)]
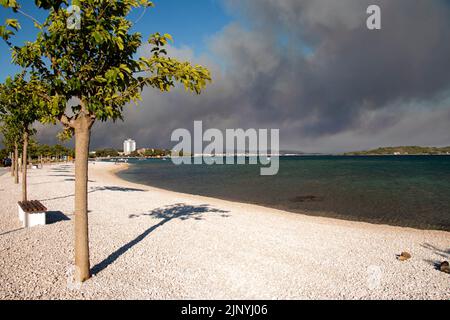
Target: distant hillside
[(413, 150), (291, 152)]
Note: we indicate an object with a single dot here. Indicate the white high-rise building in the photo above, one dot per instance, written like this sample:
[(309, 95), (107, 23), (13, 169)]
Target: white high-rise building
[(129, 146)]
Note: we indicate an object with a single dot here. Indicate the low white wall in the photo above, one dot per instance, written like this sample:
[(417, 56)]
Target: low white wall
[(31, 219)]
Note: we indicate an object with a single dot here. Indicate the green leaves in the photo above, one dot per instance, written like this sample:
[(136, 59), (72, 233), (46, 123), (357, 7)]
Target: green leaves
[(168, 37), (6, 33), (21, 103), (119, 43), (159, 40), (13, 23), (165, 71), (96, 64), (9, 4), (48, 4), (98, 37), (65, 135)]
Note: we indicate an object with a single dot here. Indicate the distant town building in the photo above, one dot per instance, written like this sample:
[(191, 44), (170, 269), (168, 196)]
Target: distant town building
[(129, 146)]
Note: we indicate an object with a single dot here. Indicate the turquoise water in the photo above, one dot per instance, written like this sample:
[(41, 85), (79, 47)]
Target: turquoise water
[(411, 191)]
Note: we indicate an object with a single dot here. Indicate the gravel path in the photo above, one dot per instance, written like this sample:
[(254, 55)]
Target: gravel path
[(148, 243), (3, 171)]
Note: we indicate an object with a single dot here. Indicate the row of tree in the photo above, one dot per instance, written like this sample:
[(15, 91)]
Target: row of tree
[(156, 153), (150, 153), (56, 151), (37, 151), (104, 153), (89, 57), (110, 152)]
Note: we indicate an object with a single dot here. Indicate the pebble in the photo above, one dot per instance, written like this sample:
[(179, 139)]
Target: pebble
[(404, 256), (255, 252)]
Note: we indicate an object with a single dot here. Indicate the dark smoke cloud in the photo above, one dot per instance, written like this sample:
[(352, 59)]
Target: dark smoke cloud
[(312, 69)]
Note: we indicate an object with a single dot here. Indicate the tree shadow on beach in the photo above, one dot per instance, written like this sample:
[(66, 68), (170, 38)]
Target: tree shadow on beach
[(57, 181), (99, 189), (11, 231), (73, 180), (179, 211), (434, 263), (62, 175), (444, 253), (44, 182), (61, 170)]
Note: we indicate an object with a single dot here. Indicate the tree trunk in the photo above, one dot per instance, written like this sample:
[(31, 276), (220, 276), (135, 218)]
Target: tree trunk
[(13, 164), (16, 165), (82, 126), (24, 166)]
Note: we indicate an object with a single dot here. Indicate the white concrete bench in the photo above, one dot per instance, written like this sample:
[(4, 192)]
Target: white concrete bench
[(32, 213)]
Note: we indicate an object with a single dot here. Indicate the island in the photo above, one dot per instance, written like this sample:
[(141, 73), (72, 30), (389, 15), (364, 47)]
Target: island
[(408, 150)]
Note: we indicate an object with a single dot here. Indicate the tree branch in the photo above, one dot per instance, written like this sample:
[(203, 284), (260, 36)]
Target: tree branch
[(29, 17), (66, 121)]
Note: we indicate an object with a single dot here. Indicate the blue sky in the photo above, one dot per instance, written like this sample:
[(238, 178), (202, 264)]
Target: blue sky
[(191, 23), (310, 68)]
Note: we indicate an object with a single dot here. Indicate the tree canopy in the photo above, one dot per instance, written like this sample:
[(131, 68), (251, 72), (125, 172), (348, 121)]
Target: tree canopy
[(21, 107), (10, 132), (36, 149), (96, 64), (93, 62)]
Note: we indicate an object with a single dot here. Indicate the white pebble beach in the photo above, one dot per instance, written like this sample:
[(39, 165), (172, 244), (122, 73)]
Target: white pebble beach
[(148, 243)]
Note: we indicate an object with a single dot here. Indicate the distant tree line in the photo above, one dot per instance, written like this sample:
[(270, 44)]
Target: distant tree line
[(105, 153), (37, 151), (112, 153), (3, 154), (156, 153), (408, 150), (48, 151)]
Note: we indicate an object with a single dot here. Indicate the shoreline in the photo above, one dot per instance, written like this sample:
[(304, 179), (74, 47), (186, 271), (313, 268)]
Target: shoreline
[(125, 166), (149, 243)]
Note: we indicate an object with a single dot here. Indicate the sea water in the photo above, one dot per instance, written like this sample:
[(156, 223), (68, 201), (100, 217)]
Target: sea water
[(411, 191)]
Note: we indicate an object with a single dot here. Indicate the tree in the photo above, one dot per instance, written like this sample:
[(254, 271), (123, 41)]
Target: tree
[(21, 109), (45, 150), (12, 138), (37, 150), (4, 153), (96, 65)]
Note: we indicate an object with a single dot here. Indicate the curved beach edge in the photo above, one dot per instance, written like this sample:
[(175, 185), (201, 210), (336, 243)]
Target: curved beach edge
[(113, 171)]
